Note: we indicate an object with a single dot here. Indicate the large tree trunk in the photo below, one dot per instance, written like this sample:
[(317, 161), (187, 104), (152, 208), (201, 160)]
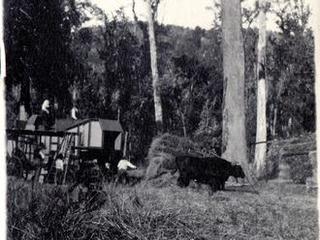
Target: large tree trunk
[(316, 28), (154, 69), (234, 133), (261, 134), (2, 59)]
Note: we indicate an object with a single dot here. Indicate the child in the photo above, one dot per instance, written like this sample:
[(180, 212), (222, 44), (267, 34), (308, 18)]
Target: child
[(38, 161), (59, 170)]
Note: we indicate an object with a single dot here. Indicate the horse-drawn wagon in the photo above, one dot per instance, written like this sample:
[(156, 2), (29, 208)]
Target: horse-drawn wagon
[(76, 140)]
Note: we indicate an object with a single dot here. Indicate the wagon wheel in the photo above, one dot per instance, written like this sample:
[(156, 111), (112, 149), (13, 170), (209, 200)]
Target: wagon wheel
[(14, 167), (10, 166), (71, 176)]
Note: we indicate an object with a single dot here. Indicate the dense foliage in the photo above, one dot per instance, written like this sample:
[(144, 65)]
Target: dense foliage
[(50, 53), (39, 58)]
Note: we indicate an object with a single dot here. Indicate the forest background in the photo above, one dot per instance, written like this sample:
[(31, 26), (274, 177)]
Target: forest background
[(108, 68)]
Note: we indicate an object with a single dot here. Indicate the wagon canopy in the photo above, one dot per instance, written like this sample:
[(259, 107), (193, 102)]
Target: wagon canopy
[(97, 133)]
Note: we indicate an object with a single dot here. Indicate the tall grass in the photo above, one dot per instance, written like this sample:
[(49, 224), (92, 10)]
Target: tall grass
[(146, 212)]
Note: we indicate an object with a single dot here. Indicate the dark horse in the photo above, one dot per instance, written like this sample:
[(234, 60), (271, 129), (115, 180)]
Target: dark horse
[(213, 171)]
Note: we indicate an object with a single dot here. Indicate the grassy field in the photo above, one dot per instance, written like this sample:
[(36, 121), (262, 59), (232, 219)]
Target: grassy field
[(280, 211)]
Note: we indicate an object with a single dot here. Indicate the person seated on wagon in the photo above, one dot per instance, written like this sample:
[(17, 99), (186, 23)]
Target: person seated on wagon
[(46, 115), (75, 112)]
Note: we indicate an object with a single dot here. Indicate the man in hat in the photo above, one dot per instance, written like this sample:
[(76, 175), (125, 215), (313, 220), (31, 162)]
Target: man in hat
[(46, 116), (123, 166)]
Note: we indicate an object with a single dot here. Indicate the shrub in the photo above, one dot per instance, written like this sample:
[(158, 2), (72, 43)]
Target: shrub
[(208, 143), (300, 168)]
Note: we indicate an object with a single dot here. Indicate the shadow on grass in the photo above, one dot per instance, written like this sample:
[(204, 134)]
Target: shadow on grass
[(242, 189)]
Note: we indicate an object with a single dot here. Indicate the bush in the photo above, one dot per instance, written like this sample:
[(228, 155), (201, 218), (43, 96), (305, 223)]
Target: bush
[(300, 168), (208, 143)]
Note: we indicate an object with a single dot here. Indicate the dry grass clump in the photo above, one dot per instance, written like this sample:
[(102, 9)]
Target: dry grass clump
[(147, 213), (48, 214), (171, 145), (35, 212), (162, 152)]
